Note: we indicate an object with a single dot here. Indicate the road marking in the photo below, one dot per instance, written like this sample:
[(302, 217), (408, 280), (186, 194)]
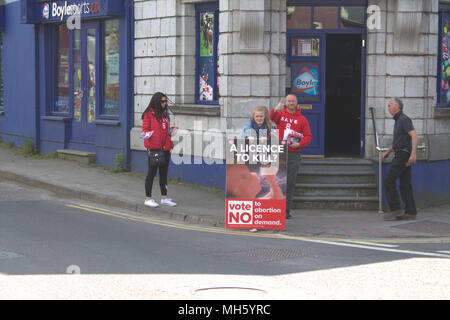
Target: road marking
[(334, 241), (376, 244), (420, 253), (446, 252)]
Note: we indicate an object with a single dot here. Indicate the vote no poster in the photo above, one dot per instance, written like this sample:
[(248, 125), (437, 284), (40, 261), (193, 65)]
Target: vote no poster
[(256, 184)]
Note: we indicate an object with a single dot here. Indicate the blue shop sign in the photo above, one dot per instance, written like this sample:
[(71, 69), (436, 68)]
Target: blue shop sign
[(33, 11)]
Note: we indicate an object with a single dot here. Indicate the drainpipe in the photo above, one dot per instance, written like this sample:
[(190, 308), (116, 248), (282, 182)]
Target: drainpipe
[(129, 23)]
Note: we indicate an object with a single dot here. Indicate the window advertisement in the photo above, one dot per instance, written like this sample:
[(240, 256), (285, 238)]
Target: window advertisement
[(1, 72), (111, 68), (256, 184), (77, 90), (61, 103), (91, 85), (305, 80), (305, 47), (445, 58), (206, 57)]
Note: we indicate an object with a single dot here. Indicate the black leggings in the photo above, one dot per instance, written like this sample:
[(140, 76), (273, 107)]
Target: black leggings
[(163, 170)]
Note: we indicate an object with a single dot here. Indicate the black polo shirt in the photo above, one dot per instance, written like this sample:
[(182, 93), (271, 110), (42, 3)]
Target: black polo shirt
[(403, 125)]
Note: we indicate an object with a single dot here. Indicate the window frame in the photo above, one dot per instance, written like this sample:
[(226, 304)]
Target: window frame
[(339, 6), (443, 8), (2, 69), (202, 7)]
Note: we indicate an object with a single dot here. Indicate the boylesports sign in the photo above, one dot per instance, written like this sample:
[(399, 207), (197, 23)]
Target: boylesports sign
[(61, 10)]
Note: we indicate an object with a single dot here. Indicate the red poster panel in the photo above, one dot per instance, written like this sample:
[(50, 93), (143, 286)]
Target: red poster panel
[(256, 185)]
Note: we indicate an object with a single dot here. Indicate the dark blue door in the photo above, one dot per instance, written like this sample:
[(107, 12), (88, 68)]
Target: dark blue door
[(307, 64), (85, 51)]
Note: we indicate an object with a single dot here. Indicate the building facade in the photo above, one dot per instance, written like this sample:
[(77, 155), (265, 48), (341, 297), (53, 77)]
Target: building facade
[(344, 59), (63, 62), (216, 60)]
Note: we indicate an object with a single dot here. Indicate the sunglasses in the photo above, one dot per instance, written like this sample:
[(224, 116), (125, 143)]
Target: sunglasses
[(163, 101)]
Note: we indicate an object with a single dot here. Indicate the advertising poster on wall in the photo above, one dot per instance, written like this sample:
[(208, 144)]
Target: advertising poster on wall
[(256, 184), (206, 58), (305, 81), (445, 67)]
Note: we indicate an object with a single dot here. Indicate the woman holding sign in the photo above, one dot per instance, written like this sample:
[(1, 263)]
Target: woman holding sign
[(255, 181)]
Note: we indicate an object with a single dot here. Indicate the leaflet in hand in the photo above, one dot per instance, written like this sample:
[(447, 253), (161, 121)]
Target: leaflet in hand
[(147, 135), (292, 136)]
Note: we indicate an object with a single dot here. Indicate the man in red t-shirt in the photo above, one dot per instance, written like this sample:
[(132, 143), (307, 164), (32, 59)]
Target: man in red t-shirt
[(289, 117)]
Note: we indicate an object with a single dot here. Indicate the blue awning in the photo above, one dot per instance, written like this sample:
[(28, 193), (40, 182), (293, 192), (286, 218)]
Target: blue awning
[(33, 11)]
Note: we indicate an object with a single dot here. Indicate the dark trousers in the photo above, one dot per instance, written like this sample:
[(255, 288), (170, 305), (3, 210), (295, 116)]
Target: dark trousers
[(293, 166), (399, 170), (163, 170)]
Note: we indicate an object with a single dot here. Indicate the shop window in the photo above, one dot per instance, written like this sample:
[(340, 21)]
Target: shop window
[(207, 30), (96, 49), (2, 96), (443, 85), (323, 17), (61, 70), (111, 68)]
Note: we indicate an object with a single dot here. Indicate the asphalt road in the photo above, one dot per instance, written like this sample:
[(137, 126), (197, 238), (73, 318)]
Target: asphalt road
[(46, 238)]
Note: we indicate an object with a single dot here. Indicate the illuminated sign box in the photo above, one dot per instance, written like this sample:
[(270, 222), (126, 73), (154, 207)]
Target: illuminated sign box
[(33, 11)]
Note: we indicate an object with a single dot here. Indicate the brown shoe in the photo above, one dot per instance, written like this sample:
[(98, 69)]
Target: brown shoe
[(393, 215)]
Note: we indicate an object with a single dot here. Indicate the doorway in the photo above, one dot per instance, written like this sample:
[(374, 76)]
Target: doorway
[(85, 82), (343, 95)]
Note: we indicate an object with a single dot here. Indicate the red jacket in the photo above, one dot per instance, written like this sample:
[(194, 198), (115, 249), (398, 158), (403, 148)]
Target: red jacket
[(295, 121), (160, 132)]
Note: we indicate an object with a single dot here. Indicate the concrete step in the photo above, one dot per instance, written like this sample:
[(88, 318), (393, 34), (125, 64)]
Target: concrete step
[(336, 190), (346, 203), (76, 155), (334, 164), (333, 183)]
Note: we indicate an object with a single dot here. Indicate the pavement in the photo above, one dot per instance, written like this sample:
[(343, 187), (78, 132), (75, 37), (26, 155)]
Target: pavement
[(199, 205)]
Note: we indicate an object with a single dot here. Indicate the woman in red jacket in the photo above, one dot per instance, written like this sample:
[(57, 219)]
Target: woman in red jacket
[(156, 123)]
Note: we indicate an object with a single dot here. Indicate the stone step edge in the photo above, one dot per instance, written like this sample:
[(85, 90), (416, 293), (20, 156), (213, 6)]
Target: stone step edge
[(340, 199)]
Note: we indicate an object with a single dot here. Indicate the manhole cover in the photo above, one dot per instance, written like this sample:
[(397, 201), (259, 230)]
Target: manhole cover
[(432, 227), (9, 255), (230, 293)]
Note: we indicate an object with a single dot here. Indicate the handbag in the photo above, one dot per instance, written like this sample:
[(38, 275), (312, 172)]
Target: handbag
[(157, 158)]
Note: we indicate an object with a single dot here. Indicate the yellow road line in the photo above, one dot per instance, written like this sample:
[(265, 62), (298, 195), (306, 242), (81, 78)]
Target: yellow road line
[(125, 216)]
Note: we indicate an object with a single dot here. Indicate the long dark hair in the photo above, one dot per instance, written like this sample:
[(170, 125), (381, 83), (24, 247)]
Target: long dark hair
[(155, 104)]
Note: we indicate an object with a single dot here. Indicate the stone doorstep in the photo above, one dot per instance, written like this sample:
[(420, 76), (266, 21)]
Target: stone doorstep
[(77, 155)]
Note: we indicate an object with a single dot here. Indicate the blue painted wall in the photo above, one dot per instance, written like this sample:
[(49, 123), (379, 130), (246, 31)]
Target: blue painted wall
[(430, 180), (203, 174), (19, 119)]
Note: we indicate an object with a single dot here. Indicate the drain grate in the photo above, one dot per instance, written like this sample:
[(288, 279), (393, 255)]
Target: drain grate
[(267, 254), (432, 227)]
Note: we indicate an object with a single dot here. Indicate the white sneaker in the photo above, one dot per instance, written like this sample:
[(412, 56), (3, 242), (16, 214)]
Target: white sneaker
[(151, 203), (253, 230), (168, 202)]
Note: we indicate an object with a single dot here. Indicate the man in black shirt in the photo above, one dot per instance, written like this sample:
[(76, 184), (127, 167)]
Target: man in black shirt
[(404, 144)]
